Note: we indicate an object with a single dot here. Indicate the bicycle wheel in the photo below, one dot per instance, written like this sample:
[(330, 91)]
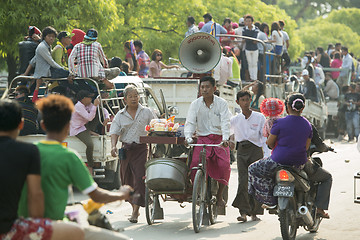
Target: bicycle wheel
[(211, 202), (150, 206), (198, 200)]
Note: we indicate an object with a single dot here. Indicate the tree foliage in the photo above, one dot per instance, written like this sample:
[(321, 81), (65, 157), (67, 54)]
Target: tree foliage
[(348, 16), (310, 9), (159, 24), (323, 33)]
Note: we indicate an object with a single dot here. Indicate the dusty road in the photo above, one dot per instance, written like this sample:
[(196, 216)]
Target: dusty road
[(343, 224)]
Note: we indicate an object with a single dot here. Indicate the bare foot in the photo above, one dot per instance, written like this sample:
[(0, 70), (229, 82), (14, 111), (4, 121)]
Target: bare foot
[(220, 203), (255, 218), (322, 213)]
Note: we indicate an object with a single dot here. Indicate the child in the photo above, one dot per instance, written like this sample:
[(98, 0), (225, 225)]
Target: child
[(272, 108)]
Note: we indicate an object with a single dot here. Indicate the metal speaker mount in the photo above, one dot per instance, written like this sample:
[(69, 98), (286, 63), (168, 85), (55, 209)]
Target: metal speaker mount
[(200, 52)]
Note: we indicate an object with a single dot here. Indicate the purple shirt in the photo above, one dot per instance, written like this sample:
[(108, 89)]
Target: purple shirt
[(292, 133), (81, 116)]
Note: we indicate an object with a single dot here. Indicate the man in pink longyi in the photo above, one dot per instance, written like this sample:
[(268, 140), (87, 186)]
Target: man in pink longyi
[(209, 116)]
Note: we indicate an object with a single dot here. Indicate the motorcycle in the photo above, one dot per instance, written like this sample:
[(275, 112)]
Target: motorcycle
[(296, 197)]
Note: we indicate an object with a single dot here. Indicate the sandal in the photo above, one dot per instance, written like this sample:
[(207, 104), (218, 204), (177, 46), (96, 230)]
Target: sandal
[(242, 219), (265, 206), (132, 220)]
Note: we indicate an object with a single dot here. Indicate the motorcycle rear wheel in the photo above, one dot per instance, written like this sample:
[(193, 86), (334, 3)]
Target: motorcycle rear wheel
[(288, 223)]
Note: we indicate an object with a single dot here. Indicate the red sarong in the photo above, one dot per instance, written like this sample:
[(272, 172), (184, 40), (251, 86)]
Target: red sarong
[(218, 159)]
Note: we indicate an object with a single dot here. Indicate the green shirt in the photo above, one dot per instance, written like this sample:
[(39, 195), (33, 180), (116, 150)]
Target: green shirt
[(60, 168), (60, 56)]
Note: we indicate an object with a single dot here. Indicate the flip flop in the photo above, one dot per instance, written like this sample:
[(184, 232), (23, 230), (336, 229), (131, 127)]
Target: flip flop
[(241, 219), (264, 206), (132, 220)]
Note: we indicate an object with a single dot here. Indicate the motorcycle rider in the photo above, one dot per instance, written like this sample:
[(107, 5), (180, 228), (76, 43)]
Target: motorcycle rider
[(292, 134)]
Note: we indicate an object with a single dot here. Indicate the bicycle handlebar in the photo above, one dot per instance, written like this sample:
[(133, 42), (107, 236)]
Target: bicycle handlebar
[(205, 145)]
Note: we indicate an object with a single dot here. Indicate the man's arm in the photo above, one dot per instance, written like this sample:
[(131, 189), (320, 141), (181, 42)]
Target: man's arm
[(35, 196), (271, 141), (190, 124), (43, 51), (114, 140), (103, 196)]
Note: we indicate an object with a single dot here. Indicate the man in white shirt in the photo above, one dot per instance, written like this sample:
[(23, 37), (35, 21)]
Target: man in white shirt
[(347, 62), (209, 116), (223, 70), (246, 128), (190, 22), (286, 44)]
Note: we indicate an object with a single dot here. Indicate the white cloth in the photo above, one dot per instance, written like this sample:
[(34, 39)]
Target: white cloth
[(262, 36), (319, 76), (223, 70), (332, 89), (252, 58), (130, 129), (346, 64), (279, 39), (206, 121), (239, 31), (286, 38), (250, 129)]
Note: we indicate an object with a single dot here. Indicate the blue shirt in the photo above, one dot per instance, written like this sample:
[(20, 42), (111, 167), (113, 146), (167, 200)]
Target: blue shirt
[(218, 29), (250, 45), (292, 133)]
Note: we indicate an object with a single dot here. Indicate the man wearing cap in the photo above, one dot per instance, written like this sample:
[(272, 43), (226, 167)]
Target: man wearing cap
[(84, 112), (27, 48), (59, 52), (91, 60), (246, 129), (209, 26), (309, 91)]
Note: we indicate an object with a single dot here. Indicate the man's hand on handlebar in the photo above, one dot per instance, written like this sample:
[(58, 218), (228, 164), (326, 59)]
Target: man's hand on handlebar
[(225, 143)]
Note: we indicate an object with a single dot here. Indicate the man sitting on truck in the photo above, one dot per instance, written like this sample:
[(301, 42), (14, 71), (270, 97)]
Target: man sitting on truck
[(309, 91), (61, 167)]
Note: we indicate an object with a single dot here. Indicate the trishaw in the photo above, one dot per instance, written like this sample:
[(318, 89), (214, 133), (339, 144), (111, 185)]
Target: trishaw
[(168, 177)]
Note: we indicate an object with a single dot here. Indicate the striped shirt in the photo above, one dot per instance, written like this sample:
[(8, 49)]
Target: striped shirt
[(90, 60)]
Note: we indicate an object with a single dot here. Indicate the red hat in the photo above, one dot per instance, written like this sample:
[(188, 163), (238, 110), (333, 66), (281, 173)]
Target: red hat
[(272, 107), (33, 29), (201, 24), (234, 25)]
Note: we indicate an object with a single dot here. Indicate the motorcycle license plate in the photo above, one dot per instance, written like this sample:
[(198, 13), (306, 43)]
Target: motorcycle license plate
[(284, 190)]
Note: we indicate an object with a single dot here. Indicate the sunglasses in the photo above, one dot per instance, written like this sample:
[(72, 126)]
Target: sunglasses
[(159, 55)]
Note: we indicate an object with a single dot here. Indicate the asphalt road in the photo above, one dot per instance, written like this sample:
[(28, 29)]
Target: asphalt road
[(343, 223)]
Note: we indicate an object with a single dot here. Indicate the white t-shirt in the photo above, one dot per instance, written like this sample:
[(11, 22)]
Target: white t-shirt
[(276, 36), (249, 129), (286, 38)]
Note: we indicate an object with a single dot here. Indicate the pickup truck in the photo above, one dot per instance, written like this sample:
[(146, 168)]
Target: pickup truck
[(106, 168), (179, 92), (315, 112)]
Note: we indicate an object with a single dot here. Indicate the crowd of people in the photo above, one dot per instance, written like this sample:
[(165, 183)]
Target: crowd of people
[(39, 194)]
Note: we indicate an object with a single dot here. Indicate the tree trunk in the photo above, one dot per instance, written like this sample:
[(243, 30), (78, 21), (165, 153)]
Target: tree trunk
[(301, 12), (11, 63)]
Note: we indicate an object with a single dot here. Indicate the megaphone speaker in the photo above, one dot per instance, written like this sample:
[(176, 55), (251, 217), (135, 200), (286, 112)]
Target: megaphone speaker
[(200, 52)]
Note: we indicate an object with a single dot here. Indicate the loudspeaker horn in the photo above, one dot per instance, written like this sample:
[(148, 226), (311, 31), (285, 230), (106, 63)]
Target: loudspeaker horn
[(200, 52)]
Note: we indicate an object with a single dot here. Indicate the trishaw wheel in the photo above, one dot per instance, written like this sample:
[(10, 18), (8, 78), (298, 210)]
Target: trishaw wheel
[(212, 207), (198, 200), (149, 206)]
